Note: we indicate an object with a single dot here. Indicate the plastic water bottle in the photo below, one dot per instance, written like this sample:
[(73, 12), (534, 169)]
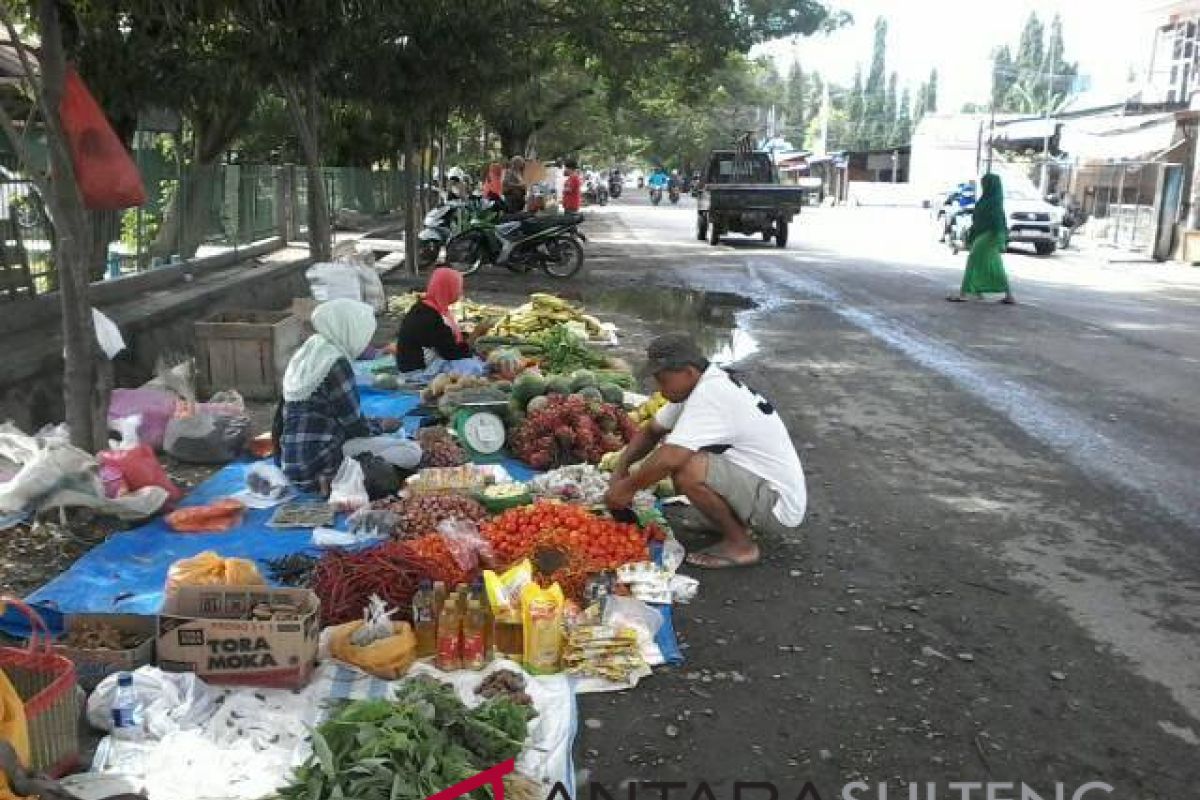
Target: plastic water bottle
[(126, 715)]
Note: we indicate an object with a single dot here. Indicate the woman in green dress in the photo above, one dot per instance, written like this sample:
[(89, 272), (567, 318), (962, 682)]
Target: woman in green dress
[(988, 239)]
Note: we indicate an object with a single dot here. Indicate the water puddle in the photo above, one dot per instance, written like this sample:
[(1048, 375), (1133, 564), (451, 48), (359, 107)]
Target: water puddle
[(713, 319)]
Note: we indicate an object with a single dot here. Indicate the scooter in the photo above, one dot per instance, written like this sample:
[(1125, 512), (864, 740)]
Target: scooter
[(655, 195), (439, 225), (552, 243), (673, 194), (615, 187), (959, 230), (596, 193)]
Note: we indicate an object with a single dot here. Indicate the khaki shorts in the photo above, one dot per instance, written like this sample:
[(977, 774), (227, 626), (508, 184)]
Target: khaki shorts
[(751, 497)]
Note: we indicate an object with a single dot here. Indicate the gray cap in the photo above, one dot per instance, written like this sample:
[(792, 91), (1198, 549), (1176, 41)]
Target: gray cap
[(673, 351)]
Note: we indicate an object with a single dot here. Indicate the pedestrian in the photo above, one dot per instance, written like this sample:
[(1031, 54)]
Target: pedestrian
[(572, 195), (513, 187), (429, 341), (988, 238), (320, 421), (726, 449)]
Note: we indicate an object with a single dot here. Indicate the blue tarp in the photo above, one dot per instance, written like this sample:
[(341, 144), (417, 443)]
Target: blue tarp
[(126, 573)]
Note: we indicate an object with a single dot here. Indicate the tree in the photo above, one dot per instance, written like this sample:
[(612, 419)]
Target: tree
[(877, 124), (904, 121), (42, 74), (1004, 76), (890, 112), (856, 123), (930, 106), (797, 104)]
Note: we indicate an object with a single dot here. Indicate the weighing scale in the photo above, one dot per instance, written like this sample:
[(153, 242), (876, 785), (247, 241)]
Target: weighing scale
[(480, 427)]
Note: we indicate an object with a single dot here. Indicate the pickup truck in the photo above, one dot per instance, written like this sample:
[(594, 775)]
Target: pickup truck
[(743, 195)]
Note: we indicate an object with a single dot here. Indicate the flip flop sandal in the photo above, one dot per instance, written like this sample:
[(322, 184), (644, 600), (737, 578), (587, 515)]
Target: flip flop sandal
[(718, 561)]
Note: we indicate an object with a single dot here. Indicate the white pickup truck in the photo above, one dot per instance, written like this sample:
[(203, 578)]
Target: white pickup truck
[(1031, 220)]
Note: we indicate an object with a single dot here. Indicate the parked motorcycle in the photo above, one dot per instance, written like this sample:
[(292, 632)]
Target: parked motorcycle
[(655, 195), (596, 193), (959, 230), (440, 224), (552, 243), (615, 186)]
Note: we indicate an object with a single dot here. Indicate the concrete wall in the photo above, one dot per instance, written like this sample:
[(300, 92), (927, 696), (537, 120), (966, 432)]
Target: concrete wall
[(155, 322)]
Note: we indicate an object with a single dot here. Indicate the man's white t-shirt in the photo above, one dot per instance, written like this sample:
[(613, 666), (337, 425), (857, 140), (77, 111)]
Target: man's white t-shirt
[(725, 417)]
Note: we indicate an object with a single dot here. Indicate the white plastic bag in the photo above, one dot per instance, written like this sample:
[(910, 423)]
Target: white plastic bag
[(626, 612), (349, 491), (266, 486), (169, 701), (329, 281), (108, 335), (370, 284), (127, 432)]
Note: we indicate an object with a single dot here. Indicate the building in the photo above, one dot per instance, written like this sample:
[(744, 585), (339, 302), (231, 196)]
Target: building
[(1174, 73), (890, 165)]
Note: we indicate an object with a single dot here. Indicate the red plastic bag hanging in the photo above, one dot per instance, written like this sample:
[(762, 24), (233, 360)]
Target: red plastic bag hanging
[(107, 177)]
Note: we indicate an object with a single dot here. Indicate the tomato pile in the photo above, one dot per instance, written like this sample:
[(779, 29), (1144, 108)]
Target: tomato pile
[(590, 543)]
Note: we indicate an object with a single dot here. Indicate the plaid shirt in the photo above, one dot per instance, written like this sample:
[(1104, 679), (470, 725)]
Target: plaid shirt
[(315, 429)]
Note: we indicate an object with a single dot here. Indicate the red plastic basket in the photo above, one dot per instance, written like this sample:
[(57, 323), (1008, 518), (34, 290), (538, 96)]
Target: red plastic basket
[(46, 683)]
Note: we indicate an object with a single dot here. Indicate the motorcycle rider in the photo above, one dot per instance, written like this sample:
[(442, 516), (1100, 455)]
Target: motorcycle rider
[(659, 180)]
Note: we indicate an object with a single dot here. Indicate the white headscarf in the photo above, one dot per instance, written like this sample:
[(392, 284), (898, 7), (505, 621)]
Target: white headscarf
[(343, 330)]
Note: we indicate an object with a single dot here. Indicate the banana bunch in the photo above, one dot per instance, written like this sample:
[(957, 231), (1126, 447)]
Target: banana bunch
[(398, 305), (646, 411), (543, 311), (470, 311)]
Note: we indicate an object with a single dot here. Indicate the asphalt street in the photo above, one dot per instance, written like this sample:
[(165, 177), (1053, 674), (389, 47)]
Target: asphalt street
[(998, 575)]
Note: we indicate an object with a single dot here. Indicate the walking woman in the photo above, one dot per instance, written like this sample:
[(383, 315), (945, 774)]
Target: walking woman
[(988, 239)]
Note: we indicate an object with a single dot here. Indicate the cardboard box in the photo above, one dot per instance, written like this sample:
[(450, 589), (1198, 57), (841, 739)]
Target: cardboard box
[(206, 630), (93, 666)]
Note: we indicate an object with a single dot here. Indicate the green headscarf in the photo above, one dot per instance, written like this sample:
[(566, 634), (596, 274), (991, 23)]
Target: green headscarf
[(989, 210)]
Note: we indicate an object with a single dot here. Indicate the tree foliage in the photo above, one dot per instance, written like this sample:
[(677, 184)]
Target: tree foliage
[(1039, 78)]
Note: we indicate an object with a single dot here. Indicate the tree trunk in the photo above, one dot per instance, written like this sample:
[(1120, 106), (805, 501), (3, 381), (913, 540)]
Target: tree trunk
[(303, 104), (514, 142), (412, 218), (73, 244)]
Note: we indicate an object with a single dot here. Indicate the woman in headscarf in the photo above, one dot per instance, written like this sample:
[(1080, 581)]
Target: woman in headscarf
[(430, 341), (514, 185), (988, 239), (320, 421)]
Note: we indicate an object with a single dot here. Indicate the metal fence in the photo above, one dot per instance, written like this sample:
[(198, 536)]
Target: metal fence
[(1120, 200), (189, 213)]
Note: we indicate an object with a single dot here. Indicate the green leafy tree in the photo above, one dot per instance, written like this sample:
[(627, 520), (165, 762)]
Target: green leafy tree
[(798, 103), (855, 136), (904, 121), (930, 104), (876, 122), (890, 111), (1004, 77)]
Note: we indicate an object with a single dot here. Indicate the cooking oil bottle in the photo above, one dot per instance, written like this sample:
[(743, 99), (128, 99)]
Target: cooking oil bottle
[(449, 638), (474, 654), (425, 620)]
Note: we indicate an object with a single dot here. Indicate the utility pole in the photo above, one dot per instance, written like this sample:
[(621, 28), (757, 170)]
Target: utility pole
[(895, 165)]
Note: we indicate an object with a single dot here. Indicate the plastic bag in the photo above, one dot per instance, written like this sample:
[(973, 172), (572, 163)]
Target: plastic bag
[(465, 543), (156, 407), (13, 726), (108, 335), (212, 518), (126, 429), (542, 617), (349, 491), (504, 591), (370, 284), (108, 178), (627, 612), (206, 438), (372, 523), (266, 486), (210, 569), (169, 701), (140, 468), (329, 281), (387, 658)]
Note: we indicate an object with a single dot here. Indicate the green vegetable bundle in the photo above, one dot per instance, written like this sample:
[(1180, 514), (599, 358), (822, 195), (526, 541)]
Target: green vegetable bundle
[(564, 352), (425, 741)]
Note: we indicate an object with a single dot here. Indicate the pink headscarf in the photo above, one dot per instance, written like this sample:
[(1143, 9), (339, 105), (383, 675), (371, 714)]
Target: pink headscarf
[(444, 290)]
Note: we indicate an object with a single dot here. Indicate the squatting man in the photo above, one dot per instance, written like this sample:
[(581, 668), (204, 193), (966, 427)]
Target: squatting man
[(724, 446)]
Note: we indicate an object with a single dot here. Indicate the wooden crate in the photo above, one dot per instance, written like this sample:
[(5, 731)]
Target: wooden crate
[(247, 351)]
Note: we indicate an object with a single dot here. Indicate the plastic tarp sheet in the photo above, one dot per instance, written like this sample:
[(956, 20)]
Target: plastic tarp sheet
[(127, 572)]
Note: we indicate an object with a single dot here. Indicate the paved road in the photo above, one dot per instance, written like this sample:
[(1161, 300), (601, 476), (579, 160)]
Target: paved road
[(998, 578)]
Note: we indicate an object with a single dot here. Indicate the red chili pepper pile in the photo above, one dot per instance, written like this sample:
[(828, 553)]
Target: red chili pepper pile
[(345, 581), (431, 549)]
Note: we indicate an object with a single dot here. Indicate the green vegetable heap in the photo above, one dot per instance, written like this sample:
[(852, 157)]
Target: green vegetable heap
[(425, 741)]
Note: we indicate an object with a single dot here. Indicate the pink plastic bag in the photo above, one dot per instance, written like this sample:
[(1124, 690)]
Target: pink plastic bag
[(154, 406), (139, 466), (466, 545)]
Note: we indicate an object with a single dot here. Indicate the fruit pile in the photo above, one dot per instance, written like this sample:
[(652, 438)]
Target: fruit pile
[(643, 414), (571, 430), (566, 543), (544, 311)]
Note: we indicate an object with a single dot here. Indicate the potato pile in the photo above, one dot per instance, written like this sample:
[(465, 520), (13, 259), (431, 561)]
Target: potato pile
[(438, 448)]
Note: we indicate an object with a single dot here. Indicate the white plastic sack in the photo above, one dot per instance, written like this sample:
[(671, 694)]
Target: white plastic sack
[(349, 491), (127, 432), (42, 468), (369, 282), (108, 335), (266, 486), (169, 701), (329, 281)]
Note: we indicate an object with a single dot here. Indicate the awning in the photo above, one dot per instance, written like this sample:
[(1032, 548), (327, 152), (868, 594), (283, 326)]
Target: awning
[(1024, 129), (1119, 138)]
